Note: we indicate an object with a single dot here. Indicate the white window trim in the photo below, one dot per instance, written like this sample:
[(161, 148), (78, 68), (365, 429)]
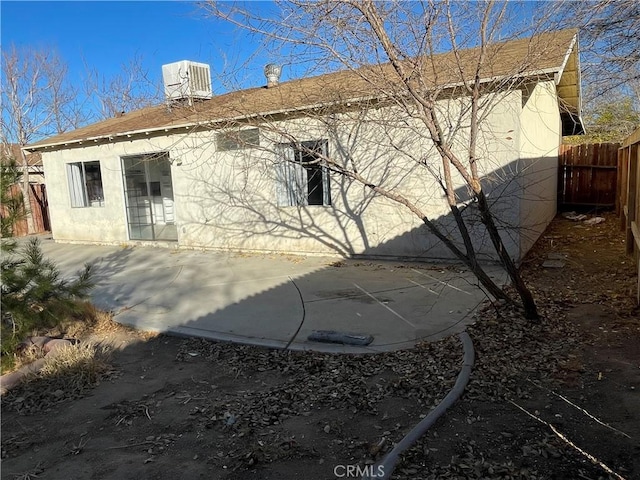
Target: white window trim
[(291, 178), (77, 181)]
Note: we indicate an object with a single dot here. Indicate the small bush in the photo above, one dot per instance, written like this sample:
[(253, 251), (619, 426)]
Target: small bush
[(35, 297)]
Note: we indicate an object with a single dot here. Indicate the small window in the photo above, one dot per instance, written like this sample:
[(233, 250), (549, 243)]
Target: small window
[(85, 184), (237, 140), (302, 176)]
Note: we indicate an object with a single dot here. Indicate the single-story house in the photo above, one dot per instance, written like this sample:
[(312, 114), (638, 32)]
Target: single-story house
[(244, 170)]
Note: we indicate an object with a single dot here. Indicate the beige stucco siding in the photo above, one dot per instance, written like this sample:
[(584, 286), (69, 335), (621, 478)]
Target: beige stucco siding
[(539, 142), (498, 156), (228, 200), (104, 224), (94, 224)]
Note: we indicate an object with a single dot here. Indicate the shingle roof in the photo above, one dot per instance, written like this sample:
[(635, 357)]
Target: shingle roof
[(546, 53)]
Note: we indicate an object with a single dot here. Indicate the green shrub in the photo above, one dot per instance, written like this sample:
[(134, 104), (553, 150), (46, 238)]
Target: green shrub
[(12, 209), (35, 297)]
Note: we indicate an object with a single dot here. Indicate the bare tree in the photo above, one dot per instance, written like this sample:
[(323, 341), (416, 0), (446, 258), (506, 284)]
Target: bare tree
[(610, 45), (441, 103), (611, 66), (130, 89), (37, 100)]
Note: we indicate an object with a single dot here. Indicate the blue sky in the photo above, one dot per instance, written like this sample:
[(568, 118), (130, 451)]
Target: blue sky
[(107, 34)]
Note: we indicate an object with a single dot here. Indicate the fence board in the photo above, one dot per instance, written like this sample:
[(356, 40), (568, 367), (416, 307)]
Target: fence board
[(588, 175), (629, 198), (39, 209)]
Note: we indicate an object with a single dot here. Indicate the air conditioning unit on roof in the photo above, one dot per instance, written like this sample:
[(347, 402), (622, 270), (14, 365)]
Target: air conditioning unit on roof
[(187, 80)]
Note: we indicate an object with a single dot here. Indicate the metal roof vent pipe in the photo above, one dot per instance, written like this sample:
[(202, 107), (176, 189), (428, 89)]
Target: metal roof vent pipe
[(272, 72)]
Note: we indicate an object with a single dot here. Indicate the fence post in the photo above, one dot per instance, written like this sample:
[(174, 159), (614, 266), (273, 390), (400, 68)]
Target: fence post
[(632, 197)]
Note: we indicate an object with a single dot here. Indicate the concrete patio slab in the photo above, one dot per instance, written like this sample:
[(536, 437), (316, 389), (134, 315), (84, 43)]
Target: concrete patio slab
[(276, 300)]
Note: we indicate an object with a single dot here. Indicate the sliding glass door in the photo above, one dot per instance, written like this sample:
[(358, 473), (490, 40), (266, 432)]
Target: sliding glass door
[(148, 192)]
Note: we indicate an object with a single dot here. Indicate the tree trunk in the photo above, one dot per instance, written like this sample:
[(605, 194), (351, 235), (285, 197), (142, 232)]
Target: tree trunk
[(528, 303), (26, 193), (471, 259)]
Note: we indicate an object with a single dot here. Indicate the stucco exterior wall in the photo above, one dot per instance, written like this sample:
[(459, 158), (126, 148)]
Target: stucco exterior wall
[(100, 224), (227, 200), (498, 156), (540, 139)]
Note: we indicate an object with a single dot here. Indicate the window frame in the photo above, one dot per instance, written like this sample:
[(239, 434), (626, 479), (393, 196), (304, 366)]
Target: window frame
[(231, 140), (293, 170), (79, 188)]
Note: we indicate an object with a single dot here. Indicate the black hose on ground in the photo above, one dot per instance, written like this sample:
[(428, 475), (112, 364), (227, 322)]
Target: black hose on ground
[(384, 469)]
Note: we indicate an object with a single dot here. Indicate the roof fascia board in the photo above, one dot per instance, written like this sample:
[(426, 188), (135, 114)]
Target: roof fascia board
[(573, 43), (574, 49)]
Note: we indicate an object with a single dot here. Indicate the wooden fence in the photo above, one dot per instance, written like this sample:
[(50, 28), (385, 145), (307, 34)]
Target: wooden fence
[(588, 175), (629, 196), (39, 210)]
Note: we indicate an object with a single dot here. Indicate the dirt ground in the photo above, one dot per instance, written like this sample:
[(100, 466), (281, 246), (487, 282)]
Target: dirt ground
[(186, 408)]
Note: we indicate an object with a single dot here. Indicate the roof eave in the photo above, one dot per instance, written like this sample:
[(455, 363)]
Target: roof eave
[(573, 116), (191, 125), (552, 71)]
